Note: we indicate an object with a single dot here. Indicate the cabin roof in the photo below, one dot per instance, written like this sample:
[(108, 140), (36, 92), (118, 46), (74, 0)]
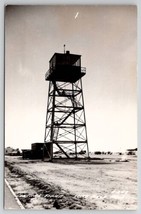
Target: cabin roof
[(76, 56)]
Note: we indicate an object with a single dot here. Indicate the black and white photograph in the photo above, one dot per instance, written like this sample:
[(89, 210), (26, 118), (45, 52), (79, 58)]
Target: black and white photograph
[(70, 107)]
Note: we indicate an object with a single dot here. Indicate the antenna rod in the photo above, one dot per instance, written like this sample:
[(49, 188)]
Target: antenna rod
[(64, 49)]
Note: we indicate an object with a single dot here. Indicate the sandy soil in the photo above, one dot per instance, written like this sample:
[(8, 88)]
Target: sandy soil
[(102, 185)]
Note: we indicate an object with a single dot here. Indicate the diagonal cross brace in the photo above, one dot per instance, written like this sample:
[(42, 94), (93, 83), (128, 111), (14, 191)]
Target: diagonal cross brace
[(62, 150)]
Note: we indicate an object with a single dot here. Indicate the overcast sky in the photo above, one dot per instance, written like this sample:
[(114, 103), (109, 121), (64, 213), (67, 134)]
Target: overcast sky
[(106, 37)]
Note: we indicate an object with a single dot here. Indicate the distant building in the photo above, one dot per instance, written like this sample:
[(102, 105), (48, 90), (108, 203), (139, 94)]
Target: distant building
[(8, 150), (132, 151), (97, 153), (12, 152)]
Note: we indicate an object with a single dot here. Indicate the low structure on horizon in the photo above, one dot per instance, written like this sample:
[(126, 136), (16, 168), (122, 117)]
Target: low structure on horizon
[(36, 151), (12, 152), (132, 151)]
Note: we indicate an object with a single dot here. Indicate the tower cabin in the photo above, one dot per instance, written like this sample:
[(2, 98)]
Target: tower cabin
[(65, 67)]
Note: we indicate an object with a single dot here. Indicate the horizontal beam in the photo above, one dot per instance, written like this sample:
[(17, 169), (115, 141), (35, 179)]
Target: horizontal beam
[(64, 111), (64, 142), (66, 125), (56, 106)]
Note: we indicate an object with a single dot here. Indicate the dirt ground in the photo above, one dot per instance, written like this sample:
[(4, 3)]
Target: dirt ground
[(106, 184)]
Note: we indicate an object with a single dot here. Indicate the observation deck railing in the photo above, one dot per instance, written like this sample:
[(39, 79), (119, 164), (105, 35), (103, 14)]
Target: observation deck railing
[(52, 69)]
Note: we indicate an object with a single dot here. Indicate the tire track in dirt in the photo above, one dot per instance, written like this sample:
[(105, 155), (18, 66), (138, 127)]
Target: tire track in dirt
[(53, 196)]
